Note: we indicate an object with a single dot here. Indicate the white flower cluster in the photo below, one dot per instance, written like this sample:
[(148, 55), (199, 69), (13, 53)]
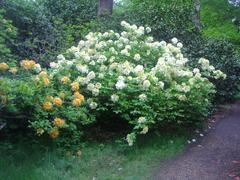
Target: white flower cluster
[(210, 70)]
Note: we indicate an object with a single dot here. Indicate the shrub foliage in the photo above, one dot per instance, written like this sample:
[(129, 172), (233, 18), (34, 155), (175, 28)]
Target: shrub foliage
[(128, 75)]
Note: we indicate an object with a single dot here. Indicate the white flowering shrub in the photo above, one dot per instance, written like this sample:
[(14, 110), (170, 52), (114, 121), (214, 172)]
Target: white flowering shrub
[(144, 82), (129, 75)]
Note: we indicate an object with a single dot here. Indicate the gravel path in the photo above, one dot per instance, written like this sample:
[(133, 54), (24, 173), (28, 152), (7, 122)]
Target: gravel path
[(212, 157)]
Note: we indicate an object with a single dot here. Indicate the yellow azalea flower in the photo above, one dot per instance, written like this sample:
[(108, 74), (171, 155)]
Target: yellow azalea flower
[(57, 101), (77, 102), (58, 122), (27, 64), (13, 70), (47, 105), (40, 131), (46, 81), (32, 63), (43, 74), (65, 79), (4, 66), (54, 133), (78, 95), (75, 86), (62, 95)]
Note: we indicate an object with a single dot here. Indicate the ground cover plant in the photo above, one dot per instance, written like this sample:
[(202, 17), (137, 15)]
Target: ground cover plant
[(129, 76), (25, 158)]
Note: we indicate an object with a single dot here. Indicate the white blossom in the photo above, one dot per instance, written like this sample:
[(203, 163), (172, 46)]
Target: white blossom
[(161, 84), (174, 40), (95, 92), (179, 45), (93, 105), (145, 130), (114, 98), (142, 97), (141, 120), (37, 68), (196, 70), (120, 84), (137, 57), (82, 68), (146, 84), (91, 75), (148, 29)]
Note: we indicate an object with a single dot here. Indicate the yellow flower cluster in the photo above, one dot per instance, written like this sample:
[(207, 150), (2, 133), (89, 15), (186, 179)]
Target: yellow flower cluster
[(58, 122), (78, 99), (65, 79), (57, 101), (44, 76), (75, 86), (28, 64), (46, 81), (47, 105), (13, 70), (54, 133), (4, 66)]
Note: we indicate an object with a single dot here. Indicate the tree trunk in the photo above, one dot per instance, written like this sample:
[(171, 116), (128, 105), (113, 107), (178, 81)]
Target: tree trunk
[(105, 7), (196, 14), (1, 3)]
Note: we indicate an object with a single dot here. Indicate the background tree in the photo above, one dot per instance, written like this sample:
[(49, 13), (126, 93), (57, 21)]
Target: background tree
[(105, 7), (196, 14)]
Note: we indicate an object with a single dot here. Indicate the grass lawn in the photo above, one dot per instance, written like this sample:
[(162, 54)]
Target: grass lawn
[(21, 160), (216, 16)]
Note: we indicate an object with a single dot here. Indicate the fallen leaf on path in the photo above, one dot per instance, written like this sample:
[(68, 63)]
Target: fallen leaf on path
[(232, 175), (236, 178), (236, 162)]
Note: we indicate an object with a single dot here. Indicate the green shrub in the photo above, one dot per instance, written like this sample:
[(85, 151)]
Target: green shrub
[(127, 76), (46, 28), (223, 56), (7, 36)]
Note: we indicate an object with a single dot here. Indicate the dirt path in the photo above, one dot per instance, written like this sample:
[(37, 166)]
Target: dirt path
[(212, 157)]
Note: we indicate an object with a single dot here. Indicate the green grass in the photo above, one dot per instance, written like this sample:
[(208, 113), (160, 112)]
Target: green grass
[(31, 161), (216, 16)]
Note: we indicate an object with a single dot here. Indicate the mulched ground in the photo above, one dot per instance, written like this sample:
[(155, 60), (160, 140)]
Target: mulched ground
[(214, 156)]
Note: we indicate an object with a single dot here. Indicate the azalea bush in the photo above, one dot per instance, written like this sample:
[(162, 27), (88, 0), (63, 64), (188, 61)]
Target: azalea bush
[(126, 75)]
